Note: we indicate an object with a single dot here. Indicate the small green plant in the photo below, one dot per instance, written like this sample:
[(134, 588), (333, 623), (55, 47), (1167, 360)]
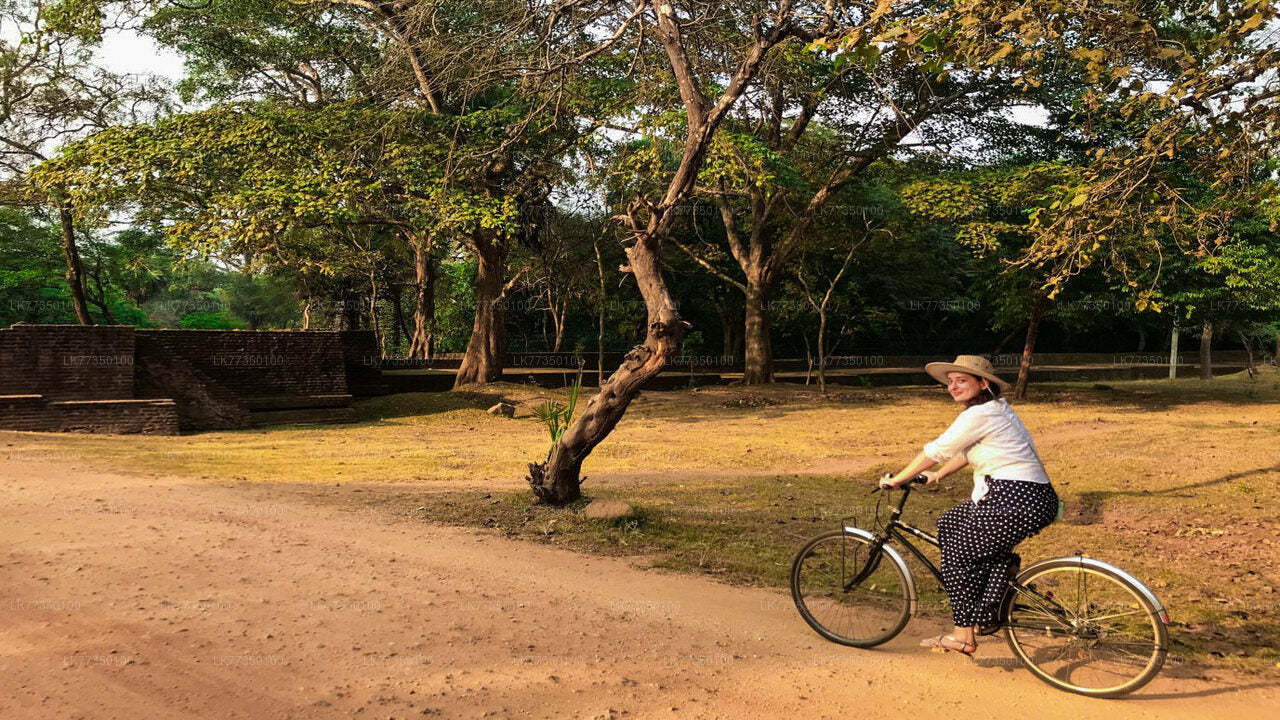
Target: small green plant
[(556, 416)]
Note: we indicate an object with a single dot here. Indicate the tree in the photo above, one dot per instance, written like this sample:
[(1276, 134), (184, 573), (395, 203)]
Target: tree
[(647, 215), (495, 70), (811, 125), (990, 210), (51, 91), (298, 188)]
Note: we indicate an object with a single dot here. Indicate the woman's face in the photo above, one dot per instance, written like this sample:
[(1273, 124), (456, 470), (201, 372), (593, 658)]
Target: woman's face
[(963, 386)]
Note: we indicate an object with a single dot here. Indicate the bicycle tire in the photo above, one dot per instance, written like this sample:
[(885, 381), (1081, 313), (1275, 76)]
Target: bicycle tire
[(883, 606), (1083, 650)]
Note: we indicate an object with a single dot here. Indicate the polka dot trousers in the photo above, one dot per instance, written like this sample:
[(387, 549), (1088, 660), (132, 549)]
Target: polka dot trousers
[(977, 542)]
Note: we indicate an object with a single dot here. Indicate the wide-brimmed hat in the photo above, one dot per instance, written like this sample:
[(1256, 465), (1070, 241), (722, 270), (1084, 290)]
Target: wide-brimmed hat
[(972, 364)]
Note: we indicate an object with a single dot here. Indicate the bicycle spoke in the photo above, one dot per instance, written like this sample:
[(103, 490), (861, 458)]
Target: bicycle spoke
[(1108, 644), (866, 613), (1116, 615)]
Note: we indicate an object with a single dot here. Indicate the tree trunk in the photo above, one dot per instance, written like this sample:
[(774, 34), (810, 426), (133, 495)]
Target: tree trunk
[(100, 299), (822, 350), (1248, 348), (483, 359), (558, 481), (1173, 353), (600, 330), (374, 323), (559, 333), (999, 348), (1033, 328), (424, 315), (75, 273), (306, 315), (758, 352), (397, 319), (558, 317), (1206, 344)]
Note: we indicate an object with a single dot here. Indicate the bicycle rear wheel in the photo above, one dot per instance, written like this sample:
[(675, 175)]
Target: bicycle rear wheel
[(1086, 627), (849, 591)]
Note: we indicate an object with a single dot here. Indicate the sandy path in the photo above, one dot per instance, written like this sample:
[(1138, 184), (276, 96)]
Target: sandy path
[(151, 597)]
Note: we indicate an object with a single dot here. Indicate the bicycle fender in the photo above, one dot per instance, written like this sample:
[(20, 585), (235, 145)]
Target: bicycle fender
[(893, 554), (1099, 565)]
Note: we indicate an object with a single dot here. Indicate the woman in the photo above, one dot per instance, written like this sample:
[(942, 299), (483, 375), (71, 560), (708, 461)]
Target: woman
[(1012, 498)]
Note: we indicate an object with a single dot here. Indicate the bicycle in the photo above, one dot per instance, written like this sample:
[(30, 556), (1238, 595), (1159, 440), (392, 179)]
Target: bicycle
[(1077, 623)]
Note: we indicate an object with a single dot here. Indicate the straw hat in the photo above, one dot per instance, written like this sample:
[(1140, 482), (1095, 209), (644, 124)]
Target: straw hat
[(972, 364)]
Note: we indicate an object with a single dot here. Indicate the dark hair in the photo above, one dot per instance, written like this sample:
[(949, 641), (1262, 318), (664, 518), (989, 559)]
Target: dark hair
[(987, 394)]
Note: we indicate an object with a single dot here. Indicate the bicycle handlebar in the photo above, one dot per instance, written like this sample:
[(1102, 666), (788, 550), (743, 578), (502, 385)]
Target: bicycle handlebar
[(917, 480)]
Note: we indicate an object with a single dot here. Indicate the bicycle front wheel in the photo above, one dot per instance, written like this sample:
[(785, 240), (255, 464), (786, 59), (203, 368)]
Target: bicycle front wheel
[(850, 591), (1086, 627)]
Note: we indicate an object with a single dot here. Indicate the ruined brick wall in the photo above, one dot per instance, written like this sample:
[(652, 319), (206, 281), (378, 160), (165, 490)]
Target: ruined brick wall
[(362, 362), (36, 413), (254, 365), (207, 379), (67, 361)]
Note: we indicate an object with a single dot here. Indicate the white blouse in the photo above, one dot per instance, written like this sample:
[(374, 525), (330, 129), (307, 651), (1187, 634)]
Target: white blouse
[(995, 441)]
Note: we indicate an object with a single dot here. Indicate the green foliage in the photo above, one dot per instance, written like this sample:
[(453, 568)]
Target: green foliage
[(252, 177), (557, 417), (207, 321)]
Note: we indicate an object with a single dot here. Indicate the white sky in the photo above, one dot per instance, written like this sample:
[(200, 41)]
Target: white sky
[(126, 51)]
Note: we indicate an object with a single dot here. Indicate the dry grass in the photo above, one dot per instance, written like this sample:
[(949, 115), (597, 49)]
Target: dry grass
[(1175, 482)]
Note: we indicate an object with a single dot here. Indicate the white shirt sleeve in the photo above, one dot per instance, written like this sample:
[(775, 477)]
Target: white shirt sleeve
[(967, 429)]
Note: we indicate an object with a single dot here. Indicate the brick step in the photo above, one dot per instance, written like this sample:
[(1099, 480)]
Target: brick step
[(302, 416)]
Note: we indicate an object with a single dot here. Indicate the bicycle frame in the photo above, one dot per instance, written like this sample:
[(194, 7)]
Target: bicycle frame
[(896, 529)]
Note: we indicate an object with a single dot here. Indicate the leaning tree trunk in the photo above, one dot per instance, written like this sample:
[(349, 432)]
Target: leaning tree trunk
[(758, 351), (1033, 329), (424, 315), (1206, 344), (75, 273), (483, 359), (558, 481)]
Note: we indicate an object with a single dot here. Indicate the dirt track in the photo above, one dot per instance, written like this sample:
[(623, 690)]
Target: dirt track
[(151, 597)]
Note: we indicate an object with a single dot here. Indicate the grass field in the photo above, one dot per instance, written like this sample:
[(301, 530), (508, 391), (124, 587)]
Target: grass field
[(1174, 481)]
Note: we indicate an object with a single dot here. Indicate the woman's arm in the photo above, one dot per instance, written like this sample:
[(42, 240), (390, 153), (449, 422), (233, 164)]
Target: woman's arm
[(912, 469), (919, 465), (956, 462)]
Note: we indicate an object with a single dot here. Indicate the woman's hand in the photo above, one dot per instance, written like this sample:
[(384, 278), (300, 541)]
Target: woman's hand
[(887, 482), (931, 476)]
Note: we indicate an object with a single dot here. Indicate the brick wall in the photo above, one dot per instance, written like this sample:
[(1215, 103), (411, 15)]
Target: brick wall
[(203, 403), (362, 362), (252, 365), (37, 413), (201, 379), (67, 361)]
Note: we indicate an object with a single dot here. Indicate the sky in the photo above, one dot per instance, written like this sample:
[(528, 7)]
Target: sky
[(126, 51)]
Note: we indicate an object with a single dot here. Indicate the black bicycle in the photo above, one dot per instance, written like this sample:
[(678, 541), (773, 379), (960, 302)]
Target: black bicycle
[(1077, 623)]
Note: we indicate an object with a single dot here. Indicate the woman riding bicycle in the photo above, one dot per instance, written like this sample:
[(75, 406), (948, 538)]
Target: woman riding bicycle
[(1012, 497)]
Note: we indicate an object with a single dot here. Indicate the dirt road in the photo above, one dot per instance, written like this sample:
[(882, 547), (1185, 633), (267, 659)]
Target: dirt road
[(153, 597)]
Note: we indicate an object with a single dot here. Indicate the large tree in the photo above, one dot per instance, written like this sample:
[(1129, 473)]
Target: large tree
[(53, 89), (707, 94), (493, 71)]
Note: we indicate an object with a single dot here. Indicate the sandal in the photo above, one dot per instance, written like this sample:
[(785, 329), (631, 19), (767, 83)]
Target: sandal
[(946, 643)]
